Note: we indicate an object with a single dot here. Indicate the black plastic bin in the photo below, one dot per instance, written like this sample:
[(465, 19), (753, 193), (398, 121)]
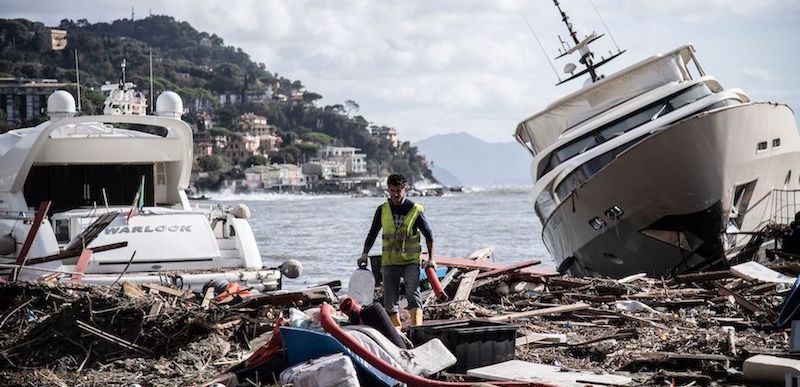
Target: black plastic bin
[(475, 343)]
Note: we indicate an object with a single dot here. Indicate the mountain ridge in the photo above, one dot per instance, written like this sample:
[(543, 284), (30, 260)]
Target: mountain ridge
[(453, 159)]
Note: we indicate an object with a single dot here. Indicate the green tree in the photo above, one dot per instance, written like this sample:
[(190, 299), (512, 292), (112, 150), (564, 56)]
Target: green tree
[(209, 163)]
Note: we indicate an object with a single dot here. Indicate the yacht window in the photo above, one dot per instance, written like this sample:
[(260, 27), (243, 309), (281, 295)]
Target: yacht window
[(776, 142), (761, 146), (625, 124), (589, 168)]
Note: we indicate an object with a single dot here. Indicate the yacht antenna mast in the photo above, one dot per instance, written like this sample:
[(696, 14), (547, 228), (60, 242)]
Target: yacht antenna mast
[(586, 54), (122, 66), (582, 47), (78, 79)]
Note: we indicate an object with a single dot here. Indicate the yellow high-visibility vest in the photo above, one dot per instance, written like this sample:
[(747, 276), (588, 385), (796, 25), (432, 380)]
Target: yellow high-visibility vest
[(401, 245)]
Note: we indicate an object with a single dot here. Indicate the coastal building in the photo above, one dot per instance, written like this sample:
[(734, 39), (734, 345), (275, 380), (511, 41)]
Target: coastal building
[(205, 148), (241, 148), (57, 39), (354, 162), (206, 120), (254, 176), (275, 177), (23, 99), (252, 121), (387, 133)]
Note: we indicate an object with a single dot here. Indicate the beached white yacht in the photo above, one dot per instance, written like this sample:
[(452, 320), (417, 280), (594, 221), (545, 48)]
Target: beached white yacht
[(657, 168), (89, 168)]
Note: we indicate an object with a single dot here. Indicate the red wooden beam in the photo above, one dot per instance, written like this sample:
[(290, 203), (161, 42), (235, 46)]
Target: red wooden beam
[(485, 265), (37, 221), (508, 268)]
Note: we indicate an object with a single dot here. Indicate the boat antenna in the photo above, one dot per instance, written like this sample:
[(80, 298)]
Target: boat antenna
[(538, 41), (582, 47), (78, 79), (604, 25), (123, 65), (586, 54), (152, 100)]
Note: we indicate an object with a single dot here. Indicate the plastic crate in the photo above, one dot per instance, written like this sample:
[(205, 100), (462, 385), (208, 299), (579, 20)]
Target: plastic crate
[(475, 343)]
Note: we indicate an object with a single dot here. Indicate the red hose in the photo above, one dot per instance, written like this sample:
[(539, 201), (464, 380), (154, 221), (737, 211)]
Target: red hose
[(437, 287), (401, 375)]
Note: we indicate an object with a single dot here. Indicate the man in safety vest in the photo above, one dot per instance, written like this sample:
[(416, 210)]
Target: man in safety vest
[(402, 222)]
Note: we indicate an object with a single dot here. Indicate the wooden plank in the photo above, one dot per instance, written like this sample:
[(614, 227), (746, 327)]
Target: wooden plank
[(740, 300), (542, 312), (518, 370), (481, 254), (37, 221), (166, 290), (71, 254), (508, 268), (80, 267), (485, 265), (465, 287), (541, 338), (701, 277), (207, 297)]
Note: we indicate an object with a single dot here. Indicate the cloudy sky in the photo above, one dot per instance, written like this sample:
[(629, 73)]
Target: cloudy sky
[(434, 67)]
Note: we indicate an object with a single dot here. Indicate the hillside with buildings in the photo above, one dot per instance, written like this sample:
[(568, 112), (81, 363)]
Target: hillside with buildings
[(253, 129)]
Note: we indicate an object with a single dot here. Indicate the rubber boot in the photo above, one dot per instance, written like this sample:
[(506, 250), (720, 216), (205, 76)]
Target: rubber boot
[(416, 316), (396, 320)]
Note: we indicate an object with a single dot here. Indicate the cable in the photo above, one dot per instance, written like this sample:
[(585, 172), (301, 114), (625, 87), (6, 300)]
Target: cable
[(604, 25), (537, 41)]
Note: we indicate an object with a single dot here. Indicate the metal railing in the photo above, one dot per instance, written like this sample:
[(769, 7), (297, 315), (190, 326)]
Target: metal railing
[(785, 203)]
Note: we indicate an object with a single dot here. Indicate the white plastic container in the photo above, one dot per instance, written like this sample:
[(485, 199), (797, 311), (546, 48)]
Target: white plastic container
[(362, 286)]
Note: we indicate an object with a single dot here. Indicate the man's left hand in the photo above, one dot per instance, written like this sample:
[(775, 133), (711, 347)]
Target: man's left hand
[(430, 264)]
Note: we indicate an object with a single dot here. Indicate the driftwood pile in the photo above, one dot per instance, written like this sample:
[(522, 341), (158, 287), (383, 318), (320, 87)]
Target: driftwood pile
[(54, 333)]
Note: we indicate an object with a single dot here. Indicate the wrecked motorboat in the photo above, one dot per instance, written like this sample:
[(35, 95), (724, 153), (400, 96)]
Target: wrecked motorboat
[(657, 168)]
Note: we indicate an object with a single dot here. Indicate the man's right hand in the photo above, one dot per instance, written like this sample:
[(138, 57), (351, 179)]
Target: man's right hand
[(362, 260)]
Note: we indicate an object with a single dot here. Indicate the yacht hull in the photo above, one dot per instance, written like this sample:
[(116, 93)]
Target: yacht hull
[(675, 190)]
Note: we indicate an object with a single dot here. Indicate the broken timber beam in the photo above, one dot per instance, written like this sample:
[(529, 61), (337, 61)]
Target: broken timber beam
[(701, 277), (485, 265), (481, 254), (41, 212), (509, 268), (542, 312)]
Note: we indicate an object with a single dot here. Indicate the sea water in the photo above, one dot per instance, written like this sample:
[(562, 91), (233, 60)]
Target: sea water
[(326, 232)]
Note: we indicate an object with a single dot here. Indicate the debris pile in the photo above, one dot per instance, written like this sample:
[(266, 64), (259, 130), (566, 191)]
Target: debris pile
[(695, 328)]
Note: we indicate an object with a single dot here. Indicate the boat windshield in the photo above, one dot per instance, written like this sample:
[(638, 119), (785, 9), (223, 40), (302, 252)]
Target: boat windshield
[(624, 124)]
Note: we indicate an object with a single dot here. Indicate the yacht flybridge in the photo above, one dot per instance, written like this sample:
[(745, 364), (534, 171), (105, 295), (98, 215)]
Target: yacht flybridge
[(83, 172), (657, 168)]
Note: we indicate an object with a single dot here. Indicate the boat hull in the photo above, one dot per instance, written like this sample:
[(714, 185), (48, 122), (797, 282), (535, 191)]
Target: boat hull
[(675, 190)]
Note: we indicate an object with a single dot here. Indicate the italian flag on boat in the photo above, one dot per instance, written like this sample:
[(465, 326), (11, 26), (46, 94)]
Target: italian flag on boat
[(138, 201)]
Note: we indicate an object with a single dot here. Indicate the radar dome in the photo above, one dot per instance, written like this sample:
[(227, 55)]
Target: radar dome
[(60, 104), (169, 104)]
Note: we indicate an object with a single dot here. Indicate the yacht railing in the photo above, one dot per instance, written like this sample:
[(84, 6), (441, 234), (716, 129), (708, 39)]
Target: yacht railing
[(785, 203)]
